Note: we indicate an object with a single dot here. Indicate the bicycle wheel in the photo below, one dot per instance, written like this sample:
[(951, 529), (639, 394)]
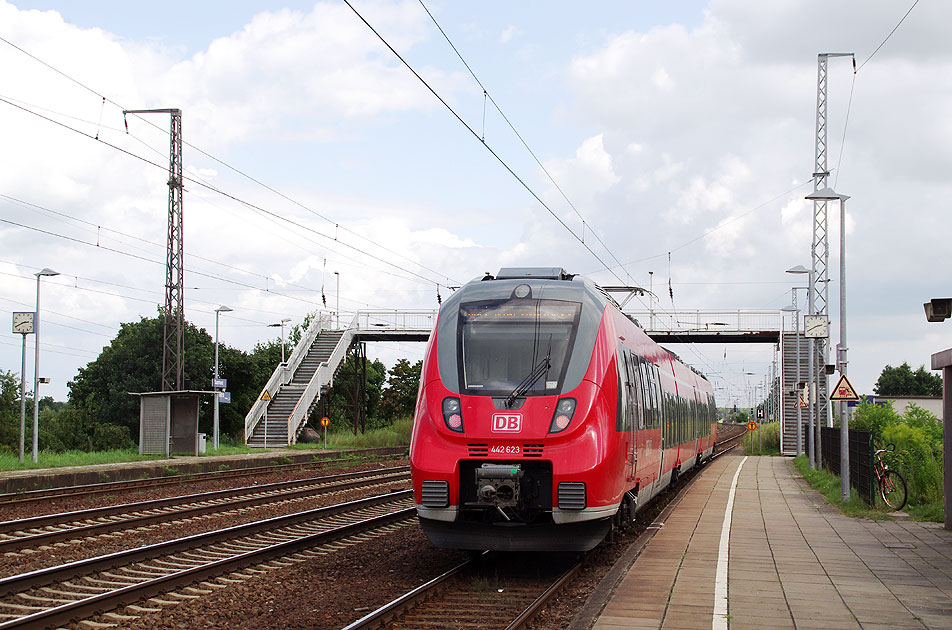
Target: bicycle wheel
[(892, 487)]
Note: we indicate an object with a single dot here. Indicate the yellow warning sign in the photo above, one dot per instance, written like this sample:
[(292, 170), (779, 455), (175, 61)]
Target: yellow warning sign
[(265, 395), (751, 426), (844, 390)]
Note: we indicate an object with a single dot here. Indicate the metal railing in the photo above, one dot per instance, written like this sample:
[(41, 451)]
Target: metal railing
[(395, 320), (283, 373), (713, 321), (370, 320), (323, 375)]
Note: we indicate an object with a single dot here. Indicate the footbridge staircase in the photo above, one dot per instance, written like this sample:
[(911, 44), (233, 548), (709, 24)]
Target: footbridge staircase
[(298, 384)]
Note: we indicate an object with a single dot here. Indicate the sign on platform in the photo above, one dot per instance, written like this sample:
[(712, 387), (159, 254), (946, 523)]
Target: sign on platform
[(265, 395), (751, 426), (844, 390), (219, 383), (224, 397)]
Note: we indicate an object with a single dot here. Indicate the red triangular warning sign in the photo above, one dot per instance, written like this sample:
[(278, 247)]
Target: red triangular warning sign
[(844, 390), (802, 402)]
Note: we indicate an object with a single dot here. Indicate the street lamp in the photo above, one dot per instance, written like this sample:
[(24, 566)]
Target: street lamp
[(46, 271), (281, 324), (828, 194), (218, 311), (800, 269)]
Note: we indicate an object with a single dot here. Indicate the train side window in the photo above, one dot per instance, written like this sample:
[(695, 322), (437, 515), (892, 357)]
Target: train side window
[(645, 390), (634, 396), (653, 384), (621, 412)]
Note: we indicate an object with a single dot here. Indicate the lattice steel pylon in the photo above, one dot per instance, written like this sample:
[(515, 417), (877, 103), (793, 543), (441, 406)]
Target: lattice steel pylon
[(173, 326), (820, 248)]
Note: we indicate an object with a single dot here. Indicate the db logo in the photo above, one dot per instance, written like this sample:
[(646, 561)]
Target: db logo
[(507, 422)]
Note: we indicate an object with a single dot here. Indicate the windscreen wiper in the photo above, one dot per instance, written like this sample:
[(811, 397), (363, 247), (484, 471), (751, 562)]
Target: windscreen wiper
[(540, 368)]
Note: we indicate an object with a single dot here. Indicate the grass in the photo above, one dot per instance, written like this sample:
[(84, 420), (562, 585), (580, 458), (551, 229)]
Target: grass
[(828, 484), (71, 458), (769, 438), (396, 435)]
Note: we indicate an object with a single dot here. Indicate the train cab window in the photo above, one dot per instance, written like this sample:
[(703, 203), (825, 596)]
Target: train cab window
[(504, 343)]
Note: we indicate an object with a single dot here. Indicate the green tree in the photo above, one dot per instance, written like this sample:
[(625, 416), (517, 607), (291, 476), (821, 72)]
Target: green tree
[(9, 412), (132, 362), (902, 381), (340, 399), (399, 398)]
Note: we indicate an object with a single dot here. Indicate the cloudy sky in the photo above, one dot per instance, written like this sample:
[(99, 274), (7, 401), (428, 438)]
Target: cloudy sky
[(684, 128)]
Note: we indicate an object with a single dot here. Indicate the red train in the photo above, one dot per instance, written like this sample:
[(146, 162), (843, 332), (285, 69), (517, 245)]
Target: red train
[(544, 414)]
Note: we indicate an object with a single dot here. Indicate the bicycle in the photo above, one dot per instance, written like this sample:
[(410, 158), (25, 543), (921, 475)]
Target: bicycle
[(892, 485)]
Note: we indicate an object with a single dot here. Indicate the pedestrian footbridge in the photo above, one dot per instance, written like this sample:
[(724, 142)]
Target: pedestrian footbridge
[(297, 385)]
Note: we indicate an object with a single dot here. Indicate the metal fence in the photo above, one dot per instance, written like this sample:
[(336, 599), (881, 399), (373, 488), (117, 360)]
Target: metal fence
[(862, 477), (396, 319), (698, 320)]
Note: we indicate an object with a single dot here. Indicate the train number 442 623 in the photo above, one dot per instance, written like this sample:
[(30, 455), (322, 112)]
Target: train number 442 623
[(507, 449)]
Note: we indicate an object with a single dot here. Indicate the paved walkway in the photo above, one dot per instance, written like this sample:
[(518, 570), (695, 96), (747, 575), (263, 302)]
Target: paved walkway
[(792, 561)]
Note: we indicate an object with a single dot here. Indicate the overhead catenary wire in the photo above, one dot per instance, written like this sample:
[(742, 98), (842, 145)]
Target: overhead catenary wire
[(481, 141), (100, 227), (226, 194), (856, 70), (337, 224), (487, 95)]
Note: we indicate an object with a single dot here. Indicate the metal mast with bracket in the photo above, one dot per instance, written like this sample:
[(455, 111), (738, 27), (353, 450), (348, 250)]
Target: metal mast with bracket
[(173, 328), (820, 248)]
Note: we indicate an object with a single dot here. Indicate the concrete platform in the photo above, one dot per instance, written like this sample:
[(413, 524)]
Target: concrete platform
[(789, 560)]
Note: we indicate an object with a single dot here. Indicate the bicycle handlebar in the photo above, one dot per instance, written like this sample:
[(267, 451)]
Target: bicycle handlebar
[(889, 449)]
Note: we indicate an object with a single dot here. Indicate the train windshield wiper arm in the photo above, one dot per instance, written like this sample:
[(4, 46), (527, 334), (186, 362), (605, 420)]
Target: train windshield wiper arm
[(541, 368)]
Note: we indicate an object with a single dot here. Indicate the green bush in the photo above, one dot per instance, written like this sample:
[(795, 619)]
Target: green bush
[(769, 437), (919, 459), (917, 435), (875, 418)]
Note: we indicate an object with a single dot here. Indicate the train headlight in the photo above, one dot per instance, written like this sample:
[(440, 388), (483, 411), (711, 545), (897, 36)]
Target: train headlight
[(564, 410), (453, 414)]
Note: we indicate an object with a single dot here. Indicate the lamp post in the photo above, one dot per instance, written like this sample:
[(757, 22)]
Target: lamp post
[(46, 271), (338, 298), (828, 194), (218, 311), (281, 324)]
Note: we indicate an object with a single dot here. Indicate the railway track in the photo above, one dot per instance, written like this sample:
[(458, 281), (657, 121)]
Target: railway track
[(494, 591), (505, 594), (48, 529), (109, 487), (166, 573)]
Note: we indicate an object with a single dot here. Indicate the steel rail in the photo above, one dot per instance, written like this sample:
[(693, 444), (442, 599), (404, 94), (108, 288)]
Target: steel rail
[(167, 480), (190, 506), (96, 604), (532, 610), (43, 577), (388, 611)]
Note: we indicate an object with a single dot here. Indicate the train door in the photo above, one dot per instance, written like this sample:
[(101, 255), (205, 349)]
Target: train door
[(626, 423), (696, 423)]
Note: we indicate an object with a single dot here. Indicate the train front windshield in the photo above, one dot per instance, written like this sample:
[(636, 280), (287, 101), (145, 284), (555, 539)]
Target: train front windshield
[(505, 344)]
